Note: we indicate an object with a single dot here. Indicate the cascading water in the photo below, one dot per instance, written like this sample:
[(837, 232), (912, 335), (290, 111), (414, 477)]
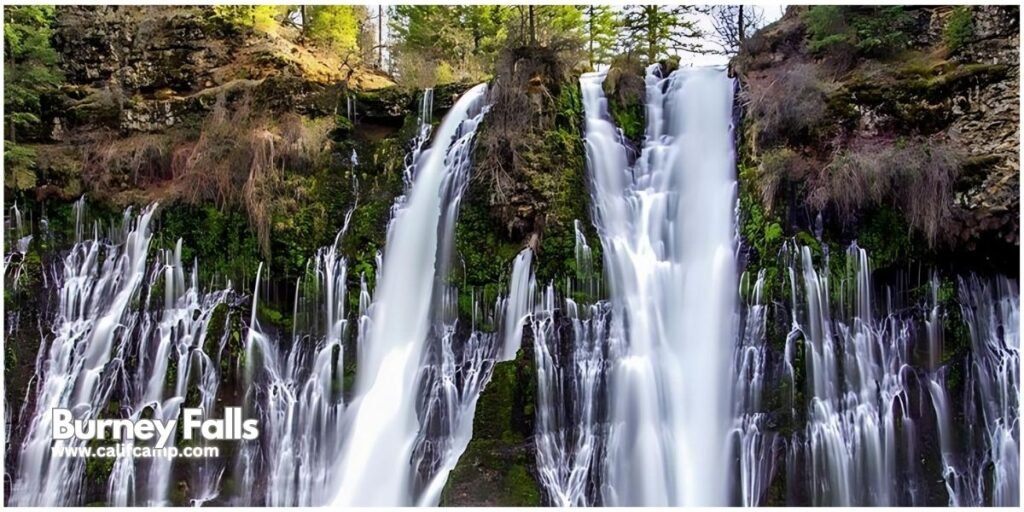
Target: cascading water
[(756, 444), (382, 417), (666, 225), (858, 421), (668, 393), (570, 352), (991, 311), (868, 397), (517, 305), (105, 348)]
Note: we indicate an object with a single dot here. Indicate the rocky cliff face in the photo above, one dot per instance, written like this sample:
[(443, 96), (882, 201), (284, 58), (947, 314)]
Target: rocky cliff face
[(152, 67), (928, 132)]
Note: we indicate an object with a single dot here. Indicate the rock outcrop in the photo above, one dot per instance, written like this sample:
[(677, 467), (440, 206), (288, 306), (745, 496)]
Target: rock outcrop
[(809, 115)]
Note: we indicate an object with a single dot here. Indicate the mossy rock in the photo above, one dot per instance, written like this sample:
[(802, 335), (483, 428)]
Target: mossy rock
[(497, 468)]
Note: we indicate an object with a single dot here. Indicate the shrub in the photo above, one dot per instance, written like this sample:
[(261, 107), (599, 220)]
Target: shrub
[(240, 158), (916, 177), (959, 28), (872, 31), (789, 106), (135, 160), (261, 18), (777, 166)]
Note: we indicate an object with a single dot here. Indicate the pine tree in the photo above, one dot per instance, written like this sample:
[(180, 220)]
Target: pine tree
[(30, 65), (30, 71), (656, 29), (601, 32)]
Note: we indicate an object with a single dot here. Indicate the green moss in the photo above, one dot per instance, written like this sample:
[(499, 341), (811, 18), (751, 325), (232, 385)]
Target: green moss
[(885, 234), (222, 241), (959, 28), (97, 469), (495, 469), (521, 489), (566, 193), (761, 230), (215, 329)]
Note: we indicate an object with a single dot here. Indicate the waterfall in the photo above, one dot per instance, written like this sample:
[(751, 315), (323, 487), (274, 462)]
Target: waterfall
[(991, 311), (382, 417), (115, 342), (756, 443), (570, 351), (866, 393), (298, 393), (666, 225), (517, 305)]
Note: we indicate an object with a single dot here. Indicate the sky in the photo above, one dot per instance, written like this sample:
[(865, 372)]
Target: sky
[(769, 12)]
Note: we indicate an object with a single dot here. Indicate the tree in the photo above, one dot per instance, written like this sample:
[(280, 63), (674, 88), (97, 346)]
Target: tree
[(334, 26), (540, 25), (601, 30), (656, 29), (262, 18), (30, 71), (734, 23), (460, 41), (30, 65)]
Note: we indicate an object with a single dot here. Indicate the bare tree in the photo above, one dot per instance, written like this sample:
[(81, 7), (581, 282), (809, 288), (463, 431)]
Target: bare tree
[(734, 23)]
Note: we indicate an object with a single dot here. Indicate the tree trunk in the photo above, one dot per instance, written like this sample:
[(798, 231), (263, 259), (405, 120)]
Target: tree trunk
[(590, 21), (302, 15), (533, 29), (652, 33), (380, 37)]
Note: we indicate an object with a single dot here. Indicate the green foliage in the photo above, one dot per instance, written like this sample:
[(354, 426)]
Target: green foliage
[(436, 43), (30, 66), (873, 31), (761, 230), (567, 180), (884, 233), (486, 254), (959, 28), (334, 26), (18, 172), (261, 18), (601, 31), (222, 241), (464, 38), (630, 116), (654, 30), (542, 25)]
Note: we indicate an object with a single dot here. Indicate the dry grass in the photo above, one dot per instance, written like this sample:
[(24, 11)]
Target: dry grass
[(789, 106), (521, 106), (111, 163), (913, 176), (240, 158)]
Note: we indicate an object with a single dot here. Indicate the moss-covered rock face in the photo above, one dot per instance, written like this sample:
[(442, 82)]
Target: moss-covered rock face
[(498, 468), (529, 170), (912, 152)]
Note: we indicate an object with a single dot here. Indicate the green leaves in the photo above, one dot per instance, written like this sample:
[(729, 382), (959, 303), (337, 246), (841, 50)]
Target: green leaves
[(601, 29), (873, 31), (30, 65), (18, 173), (334, 26), (653, 30), (959, 27)]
